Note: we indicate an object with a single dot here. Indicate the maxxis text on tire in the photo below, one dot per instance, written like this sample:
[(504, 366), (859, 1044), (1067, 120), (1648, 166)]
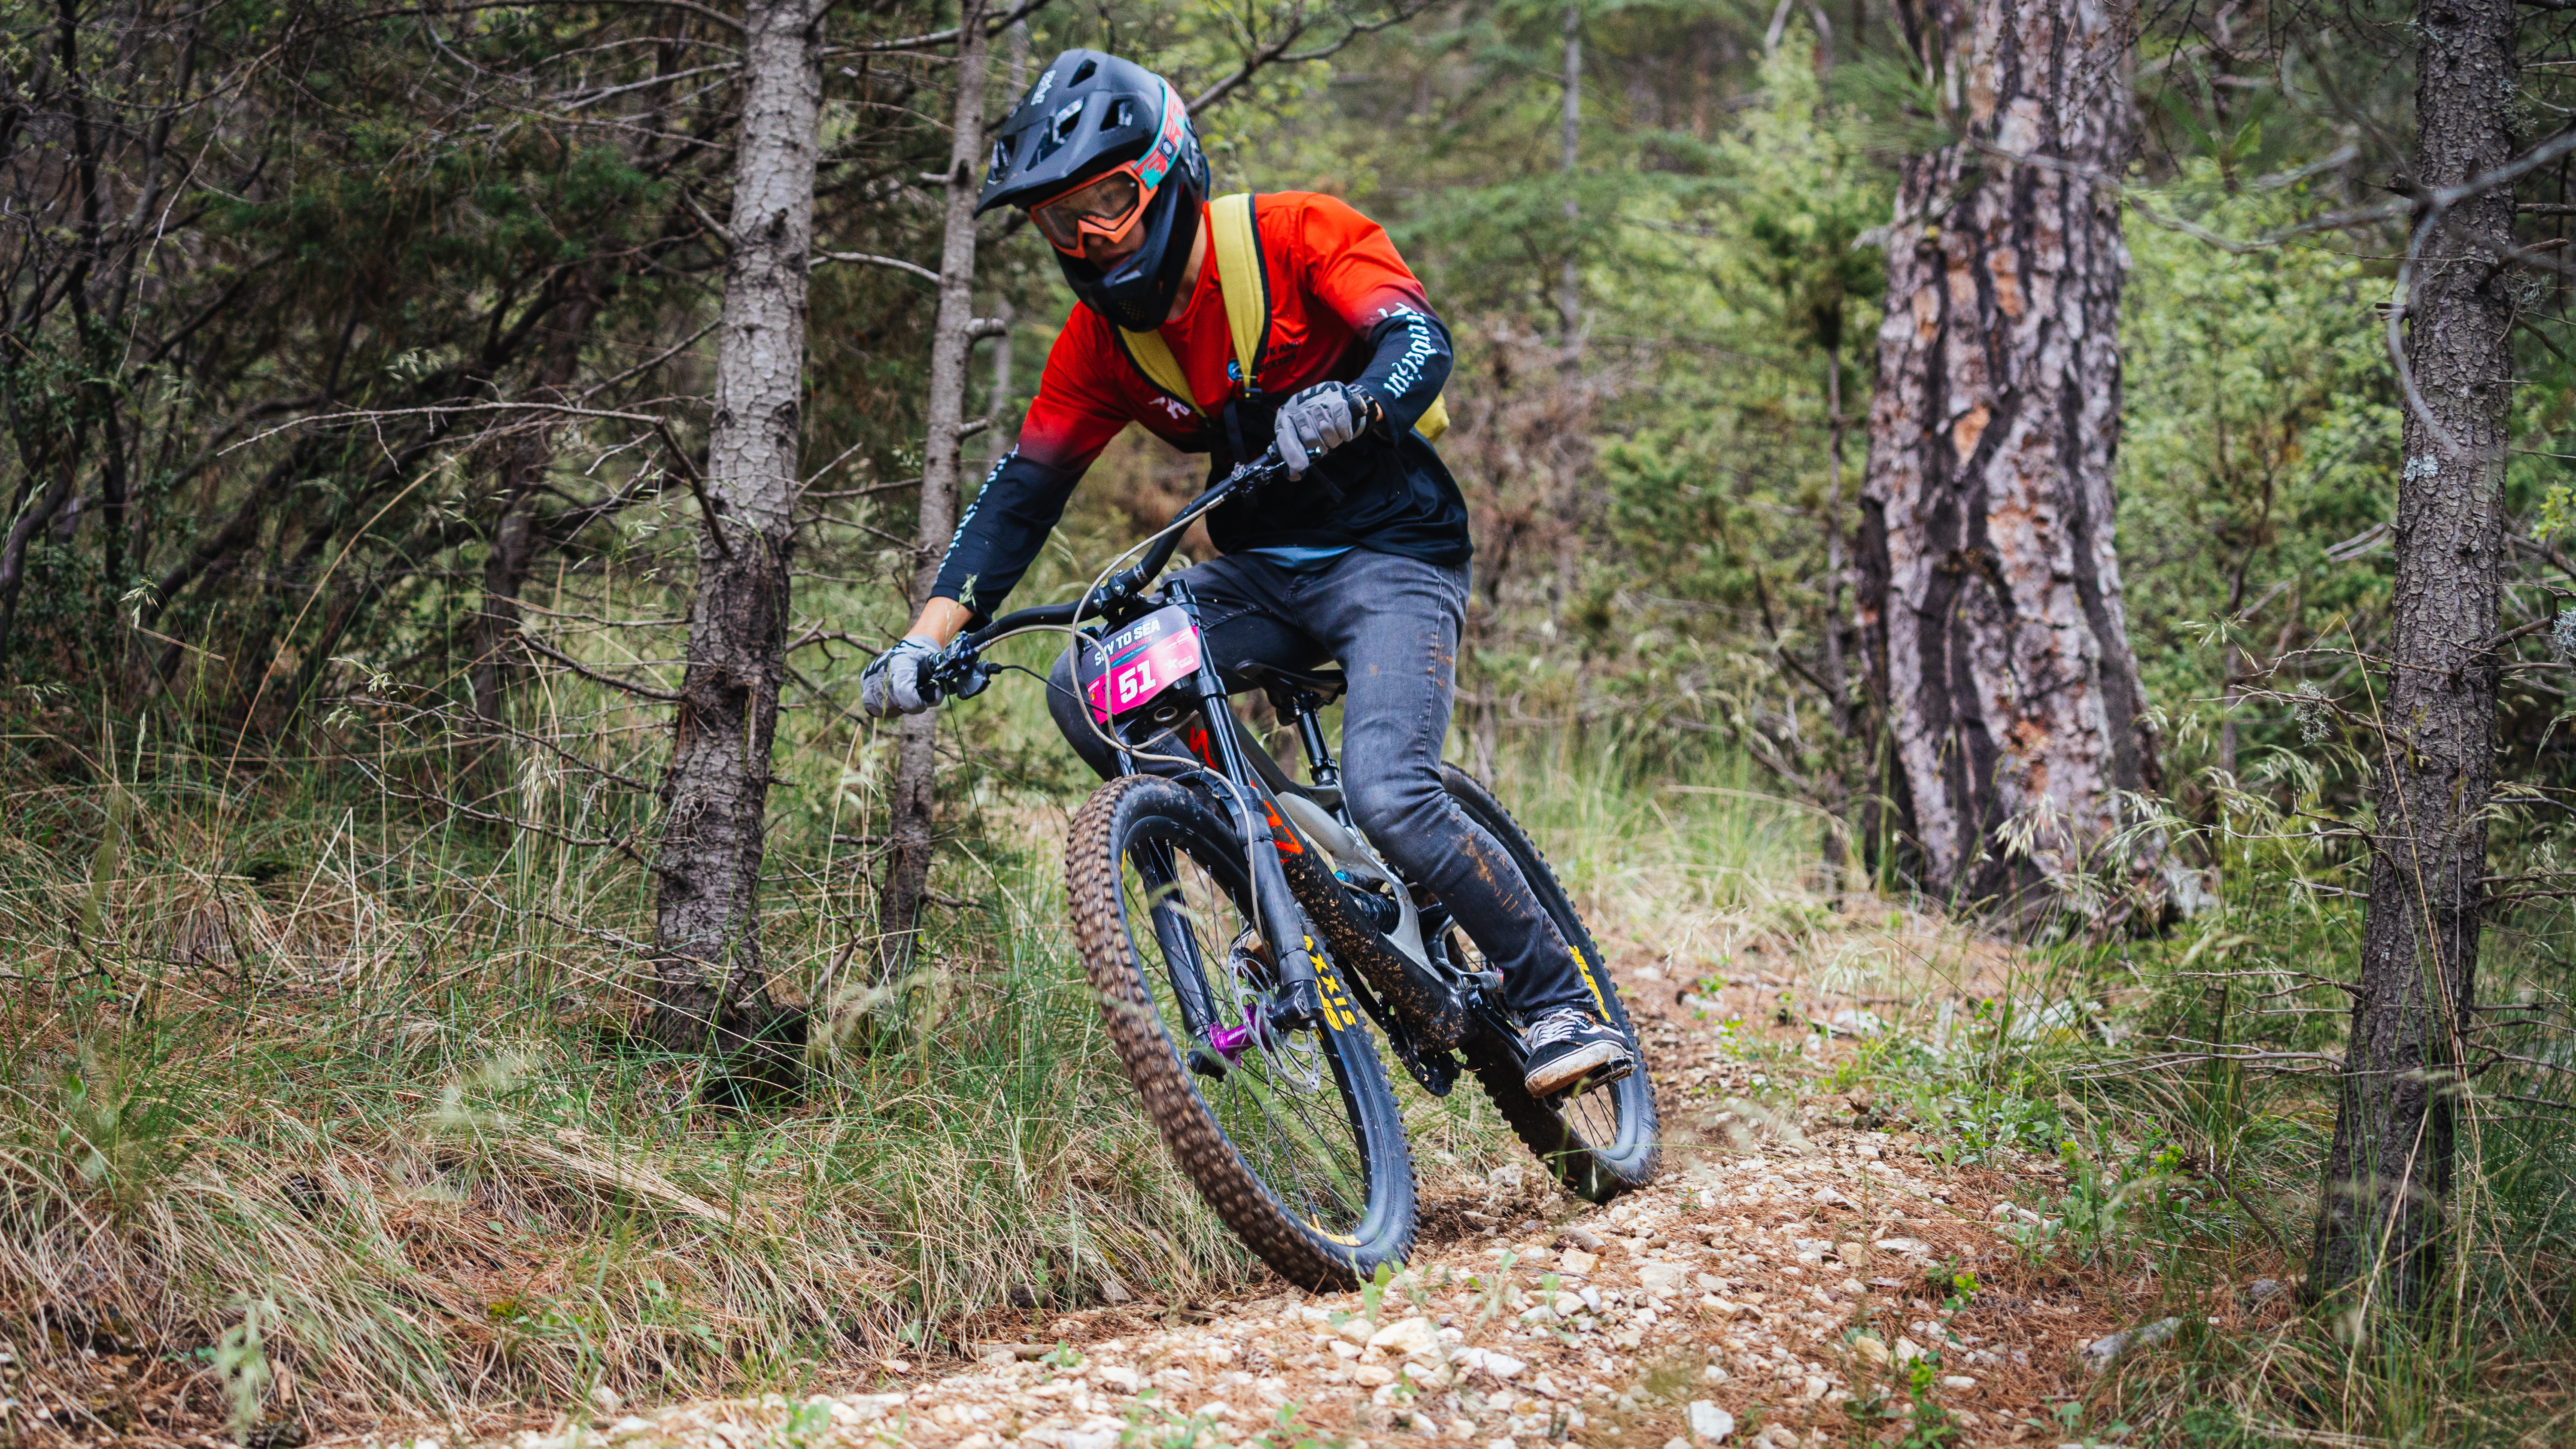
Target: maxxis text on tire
[(1152, 812)]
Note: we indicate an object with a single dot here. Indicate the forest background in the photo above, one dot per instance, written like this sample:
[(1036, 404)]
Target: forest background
[(356, 366)]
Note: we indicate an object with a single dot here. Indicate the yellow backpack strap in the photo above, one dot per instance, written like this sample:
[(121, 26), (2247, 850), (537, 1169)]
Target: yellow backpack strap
[(1247, 309), (1236, 242), (1240, 277), (1434, 420), (1153, 357)]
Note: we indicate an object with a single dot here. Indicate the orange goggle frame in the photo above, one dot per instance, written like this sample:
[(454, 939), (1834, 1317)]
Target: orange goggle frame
[(1109, 205)]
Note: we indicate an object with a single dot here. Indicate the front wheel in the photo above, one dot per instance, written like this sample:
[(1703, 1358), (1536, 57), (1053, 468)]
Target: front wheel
[(1600, 1140), (1294, 1137)]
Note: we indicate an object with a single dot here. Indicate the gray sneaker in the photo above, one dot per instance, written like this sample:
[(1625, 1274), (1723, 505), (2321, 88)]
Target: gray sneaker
[(1568, 1047)]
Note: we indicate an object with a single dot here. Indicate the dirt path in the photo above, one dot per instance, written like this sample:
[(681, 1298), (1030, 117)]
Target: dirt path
[(1773, 1288)]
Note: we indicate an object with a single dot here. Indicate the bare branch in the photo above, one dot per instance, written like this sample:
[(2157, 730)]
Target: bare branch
[(647, 691), (1026, 9), (873, 260)]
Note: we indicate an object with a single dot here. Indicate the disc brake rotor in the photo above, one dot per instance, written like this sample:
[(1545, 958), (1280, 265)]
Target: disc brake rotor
[(1296, 1058)]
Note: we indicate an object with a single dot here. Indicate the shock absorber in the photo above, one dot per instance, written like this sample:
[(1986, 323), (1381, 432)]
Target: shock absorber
[(1370, 900)]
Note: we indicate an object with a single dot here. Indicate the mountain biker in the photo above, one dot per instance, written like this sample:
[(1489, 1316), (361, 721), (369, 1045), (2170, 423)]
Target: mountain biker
[(1363, 561)]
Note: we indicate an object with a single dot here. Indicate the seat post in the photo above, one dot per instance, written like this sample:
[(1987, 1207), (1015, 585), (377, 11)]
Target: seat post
[(1310, 733)]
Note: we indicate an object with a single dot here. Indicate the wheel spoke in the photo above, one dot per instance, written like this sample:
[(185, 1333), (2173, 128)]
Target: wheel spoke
[(1296, 1135)]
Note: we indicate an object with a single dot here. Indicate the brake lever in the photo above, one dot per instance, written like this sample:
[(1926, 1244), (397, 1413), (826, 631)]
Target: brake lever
[(960, 671)]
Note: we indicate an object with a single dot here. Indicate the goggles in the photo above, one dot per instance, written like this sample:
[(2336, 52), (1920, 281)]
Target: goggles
[(1107, 206), (1110, 204)]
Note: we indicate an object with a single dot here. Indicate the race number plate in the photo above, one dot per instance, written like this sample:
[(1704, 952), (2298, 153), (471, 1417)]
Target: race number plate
[(1145, 658)]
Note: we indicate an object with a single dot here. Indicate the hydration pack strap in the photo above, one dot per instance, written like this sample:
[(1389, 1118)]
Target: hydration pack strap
[(1236, 245)]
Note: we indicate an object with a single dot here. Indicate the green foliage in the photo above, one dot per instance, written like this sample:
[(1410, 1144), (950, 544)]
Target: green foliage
[(2260, 426)]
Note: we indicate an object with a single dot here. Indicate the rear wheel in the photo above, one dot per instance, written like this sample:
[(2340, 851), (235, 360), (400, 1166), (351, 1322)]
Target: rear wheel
[(1600, 1140), (1294, 1137)]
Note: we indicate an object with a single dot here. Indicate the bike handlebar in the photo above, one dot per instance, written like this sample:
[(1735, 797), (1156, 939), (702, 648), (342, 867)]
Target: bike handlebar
[(960, 670)]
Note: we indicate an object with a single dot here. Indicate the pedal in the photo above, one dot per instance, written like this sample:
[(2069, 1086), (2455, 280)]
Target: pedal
[(1598, 1077)]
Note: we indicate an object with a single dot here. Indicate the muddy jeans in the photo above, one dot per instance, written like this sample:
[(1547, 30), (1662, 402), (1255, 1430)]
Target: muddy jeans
[(1392, 624)]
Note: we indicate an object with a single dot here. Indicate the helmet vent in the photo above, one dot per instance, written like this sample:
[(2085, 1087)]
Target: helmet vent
[(1121, 114), (1082, 73)]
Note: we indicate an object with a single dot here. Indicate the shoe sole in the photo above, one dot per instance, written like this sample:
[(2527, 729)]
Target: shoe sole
[(1568, 1072)]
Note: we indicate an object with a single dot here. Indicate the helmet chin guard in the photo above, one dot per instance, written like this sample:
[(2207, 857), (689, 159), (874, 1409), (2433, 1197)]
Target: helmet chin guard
[(1138, 295), (1087, 113)]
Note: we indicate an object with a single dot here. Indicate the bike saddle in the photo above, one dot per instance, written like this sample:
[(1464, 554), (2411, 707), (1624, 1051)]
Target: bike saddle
[(1283, 685)]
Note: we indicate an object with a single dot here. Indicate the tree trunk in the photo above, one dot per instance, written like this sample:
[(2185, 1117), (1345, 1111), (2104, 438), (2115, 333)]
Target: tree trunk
[(2381, 1216), (525, 456), (1847, 726), (907, 875), (1990, 592), (711, 988), (1569, 287)]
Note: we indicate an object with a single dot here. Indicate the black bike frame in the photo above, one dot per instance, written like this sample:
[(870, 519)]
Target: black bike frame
[(1427, 1012)]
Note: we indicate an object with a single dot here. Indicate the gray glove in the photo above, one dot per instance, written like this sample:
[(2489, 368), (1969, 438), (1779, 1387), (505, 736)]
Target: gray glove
[(898, 682), (1317, 421)]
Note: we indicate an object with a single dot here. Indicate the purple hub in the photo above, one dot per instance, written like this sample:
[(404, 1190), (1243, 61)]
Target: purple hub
[(1232, 1041)]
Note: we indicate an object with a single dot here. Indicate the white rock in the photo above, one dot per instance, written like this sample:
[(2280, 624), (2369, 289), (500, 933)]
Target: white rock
[(1957, 1381), (1911, 1246), (1870, 1349), (2099, 1353), (1125, 1380), (604, 1401), (629, 1427), (1407, 1337), (1777, 1436), (1907, 1350), (1662, 1277)]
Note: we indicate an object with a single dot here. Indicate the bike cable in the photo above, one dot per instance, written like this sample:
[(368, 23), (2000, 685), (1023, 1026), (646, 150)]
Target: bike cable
[(1076, 639)]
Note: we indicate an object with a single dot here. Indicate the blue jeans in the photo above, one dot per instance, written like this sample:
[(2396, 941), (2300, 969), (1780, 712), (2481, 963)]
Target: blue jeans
[(1392, 624)]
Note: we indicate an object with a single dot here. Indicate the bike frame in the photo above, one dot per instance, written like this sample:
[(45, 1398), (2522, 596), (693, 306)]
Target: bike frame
[(1423, 1003)]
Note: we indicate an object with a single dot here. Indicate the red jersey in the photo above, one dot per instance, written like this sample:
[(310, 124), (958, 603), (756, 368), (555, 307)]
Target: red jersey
[(1334, 275), (1343, 308)]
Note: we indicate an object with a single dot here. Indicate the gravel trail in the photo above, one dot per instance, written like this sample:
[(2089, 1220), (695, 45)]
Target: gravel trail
[(1775, 1288)]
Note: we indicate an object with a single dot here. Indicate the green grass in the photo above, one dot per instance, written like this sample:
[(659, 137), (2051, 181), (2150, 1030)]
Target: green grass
[(312, 1081), (2186, 1085)]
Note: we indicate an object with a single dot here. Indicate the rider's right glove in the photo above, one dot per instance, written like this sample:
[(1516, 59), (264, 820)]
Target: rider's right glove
[(899, 681)]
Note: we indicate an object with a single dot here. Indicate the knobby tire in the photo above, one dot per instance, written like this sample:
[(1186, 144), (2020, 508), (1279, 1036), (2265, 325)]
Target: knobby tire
[(1595, 1171), (1158, 814)]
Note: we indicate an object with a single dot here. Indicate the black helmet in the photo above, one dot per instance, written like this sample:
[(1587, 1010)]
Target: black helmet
[(1090, 113)]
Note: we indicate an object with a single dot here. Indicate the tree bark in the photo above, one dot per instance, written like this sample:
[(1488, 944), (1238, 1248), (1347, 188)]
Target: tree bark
[(2380, 1219), (1990, 592), (525, 456), (711, 990), (907, 872), (1569, 286)]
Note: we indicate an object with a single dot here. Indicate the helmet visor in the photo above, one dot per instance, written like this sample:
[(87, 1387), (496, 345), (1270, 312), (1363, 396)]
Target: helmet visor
[(1107, 206)]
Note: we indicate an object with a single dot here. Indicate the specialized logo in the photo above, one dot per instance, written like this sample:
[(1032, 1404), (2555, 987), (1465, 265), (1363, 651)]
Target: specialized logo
[(1046, 83), (1180, 411), (1280, 835)]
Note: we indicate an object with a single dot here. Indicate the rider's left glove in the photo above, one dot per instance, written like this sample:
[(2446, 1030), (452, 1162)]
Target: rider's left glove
[(1317, 421), (899, 681)]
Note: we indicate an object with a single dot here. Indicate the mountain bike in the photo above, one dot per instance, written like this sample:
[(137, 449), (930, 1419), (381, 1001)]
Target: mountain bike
[(1245, 937)]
